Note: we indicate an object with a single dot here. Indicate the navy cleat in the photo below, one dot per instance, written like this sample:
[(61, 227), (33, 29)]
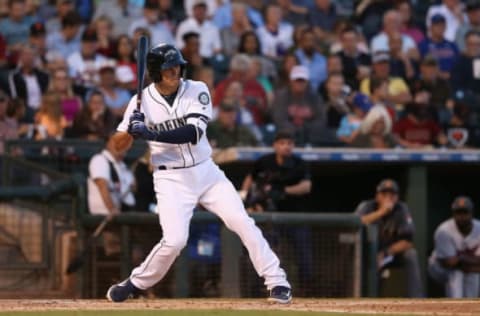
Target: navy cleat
[(280, 294), (122, 291)]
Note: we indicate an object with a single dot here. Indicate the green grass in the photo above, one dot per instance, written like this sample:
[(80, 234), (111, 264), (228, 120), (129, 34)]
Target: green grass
[(180, 313)]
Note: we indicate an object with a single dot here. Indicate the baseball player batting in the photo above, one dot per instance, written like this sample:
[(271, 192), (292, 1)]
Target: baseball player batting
[(174, 118)]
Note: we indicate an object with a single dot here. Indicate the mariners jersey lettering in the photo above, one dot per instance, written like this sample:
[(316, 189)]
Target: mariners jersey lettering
[(192, 105)]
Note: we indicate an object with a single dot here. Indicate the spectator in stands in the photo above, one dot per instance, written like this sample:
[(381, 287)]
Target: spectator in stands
[(375, 130), (400, 63), (294, 12), (83, 65), (126, 70), (104, 26), (115, 97), (210, 43), (452, 10), (406, 10), (369, 15), (67, 40), (123, 12), (350, 124), (253, 92), (465, 74), (94, 121), (231, 35), (398, 91), (110, 188), (191, 53), (226, 131), (417, 128), (280, 182), (288, 62), (455, 260), (37, 39), (298, 108), (322, 16), (255, 72), (27, 81), (395, 233), (223, 15), (8, 125), (393, 24), (438, 88), (50, 123), (336, 45), (246, 108), (355, 63), (62, 8), (250, 45), (461, 130), (211, 7), (445, 51), (336, 100), (159, 31), (16, 27), (276, 36), (473, 23), (61, 87), (315, 62)]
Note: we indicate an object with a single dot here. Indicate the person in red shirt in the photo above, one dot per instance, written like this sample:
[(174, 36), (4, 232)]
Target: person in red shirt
[(417, 129), (253, 92)]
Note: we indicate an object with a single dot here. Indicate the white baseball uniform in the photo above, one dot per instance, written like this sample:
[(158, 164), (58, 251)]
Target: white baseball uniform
[(448, 243), (185, 175)]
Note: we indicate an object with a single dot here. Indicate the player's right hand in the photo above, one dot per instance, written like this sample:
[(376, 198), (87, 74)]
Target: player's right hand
[(137, 116)]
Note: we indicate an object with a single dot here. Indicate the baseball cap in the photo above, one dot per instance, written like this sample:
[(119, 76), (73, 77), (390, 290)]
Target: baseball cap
[(299, 72), (37, 29), (106, 65), (462, 203), (437, 18), (471, 5), (362, 101), (283, 134), (380, 56), (388, 185), (89, 35)]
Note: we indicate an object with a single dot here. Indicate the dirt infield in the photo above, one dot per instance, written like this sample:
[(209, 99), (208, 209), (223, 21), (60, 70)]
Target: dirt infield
[(369, 306)]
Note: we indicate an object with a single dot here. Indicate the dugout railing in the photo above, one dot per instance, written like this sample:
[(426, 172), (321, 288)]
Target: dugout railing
[(342, 256)]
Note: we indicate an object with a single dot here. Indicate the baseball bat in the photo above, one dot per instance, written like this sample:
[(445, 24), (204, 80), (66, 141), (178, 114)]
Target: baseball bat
[(141, 65), (125, 140), (79, 260)]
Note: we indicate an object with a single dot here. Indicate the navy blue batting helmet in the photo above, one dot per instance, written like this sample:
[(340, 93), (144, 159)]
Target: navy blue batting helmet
[(162, 57)]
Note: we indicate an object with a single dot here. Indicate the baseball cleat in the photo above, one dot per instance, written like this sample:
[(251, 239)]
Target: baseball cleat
[(280, 294), (122, 291)]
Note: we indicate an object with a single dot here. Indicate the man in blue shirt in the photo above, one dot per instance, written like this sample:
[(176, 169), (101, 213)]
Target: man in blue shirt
[(67, 40), (310, 58), (436, 45), (16, 27)]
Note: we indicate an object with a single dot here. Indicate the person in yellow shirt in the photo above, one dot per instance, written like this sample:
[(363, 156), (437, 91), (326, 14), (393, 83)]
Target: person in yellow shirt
[(398, 91)]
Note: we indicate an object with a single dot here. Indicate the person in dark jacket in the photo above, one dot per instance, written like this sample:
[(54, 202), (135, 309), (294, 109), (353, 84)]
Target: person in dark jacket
[(27, 82)]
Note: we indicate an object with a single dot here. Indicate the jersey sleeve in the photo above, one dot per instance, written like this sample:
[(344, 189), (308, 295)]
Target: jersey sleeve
[(199, 112), (123, 126), (444, 245), (99, 168)]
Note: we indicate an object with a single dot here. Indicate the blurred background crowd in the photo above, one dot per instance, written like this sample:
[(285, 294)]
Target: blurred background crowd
[(364, 73)]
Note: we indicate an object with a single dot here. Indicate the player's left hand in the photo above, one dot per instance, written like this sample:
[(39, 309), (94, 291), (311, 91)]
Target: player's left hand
[(137, 116)]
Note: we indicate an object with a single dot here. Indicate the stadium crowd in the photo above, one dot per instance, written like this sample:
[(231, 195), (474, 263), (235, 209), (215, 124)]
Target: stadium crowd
[(374, 74)]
